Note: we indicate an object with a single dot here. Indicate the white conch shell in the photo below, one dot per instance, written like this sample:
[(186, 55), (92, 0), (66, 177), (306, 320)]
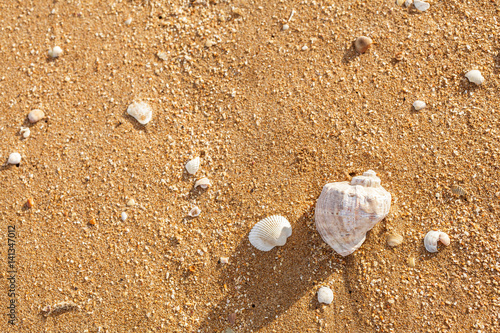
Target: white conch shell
[(346, 212), (433, 237), (141, 111), (193, 165), (325, 295), (203, 183), (270, 232)]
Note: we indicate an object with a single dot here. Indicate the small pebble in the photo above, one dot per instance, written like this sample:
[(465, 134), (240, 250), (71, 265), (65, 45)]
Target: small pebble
[(35, 115), (325, 295), (14, 158), (124, 216), (285, 27), (419, 105), (411, 262), (232, 318), (475, 76), (30, 203), (209, 43), (55, 52), (131, 202), (224, 260), (362, 44)]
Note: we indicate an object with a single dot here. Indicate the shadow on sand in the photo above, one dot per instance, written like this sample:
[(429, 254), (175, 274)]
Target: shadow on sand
[(260, 286)]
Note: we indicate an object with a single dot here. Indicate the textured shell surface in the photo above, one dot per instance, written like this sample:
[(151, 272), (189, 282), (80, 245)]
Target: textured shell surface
[(35, 115), (270, 232), (362, 44), (408, 3), (433, 237), (325, 295), (141, 111), (421, 5), (345, 211), (458, 190), (394, 240), (475, 76), (193, 165)]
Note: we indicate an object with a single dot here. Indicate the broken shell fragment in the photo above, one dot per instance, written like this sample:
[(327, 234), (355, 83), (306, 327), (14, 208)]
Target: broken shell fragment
[(345, 211), (203, 183), (458, 190), (400, 2), (35, 115), (270, 232), (193, 165), (194, 212), (14, 158), (394, 240), (362, 44), (433, 237), (419, 105), (25, 132), (475, 76), (141, 111), (421, 6), (55, 52), (325, 295)]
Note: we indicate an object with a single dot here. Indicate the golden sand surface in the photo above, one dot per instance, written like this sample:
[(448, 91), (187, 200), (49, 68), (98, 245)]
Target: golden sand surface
[(274, 114)]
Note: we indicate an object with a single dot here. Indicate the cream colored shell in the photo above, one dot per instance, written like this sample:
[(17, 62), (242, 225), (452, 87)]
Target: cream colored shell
[(141, 111), (345, 211), (193, 165), (433, 237), (270, 232)]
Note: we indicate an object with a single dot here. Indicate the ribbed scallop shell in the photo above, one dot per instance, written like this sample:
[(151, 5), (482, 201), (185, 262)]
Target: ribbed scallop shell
[(433, 237), (346, 212), (270, 232), (141, 111), (193, 165)]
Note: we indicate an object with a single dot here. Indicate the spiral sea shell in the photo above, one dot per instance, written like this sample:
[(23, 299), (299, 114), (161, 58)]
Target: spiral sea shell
[(345, 211), (433, 237), (270, 232)]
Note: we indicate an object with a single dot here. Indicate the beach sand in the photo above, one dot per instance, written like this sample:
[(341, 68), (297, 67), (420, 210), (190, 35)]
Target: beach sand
[(274, 115)]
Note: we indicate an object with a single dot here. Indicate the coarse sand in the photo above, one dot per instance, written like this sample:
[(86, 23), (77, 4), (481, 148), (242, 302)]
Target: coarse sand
[(276, 102)]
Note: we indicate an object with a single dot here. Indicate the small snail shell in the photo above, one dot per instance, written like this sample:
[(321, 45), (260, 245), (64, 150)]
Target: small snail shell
[(362, 44), (433, 237)]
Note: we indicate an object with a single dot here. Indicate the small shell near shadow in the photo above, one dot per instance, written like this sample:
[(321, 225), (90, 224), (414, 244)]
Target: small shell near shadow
[(394, 240), (433, 237), (270, 232), (203, 183), (193, 165), (194, 212)]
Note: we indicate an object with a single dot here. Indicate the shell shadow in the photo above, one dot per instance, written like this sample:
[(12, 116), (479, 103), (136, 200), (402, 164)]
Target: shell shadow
[(266, 284), (134, 122), (350, 54)]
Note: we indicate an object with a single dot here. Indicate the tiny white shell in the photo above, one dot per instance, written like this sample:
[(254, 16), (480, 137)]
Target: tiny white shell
[(285, 27), (475, 76), (124, 216), (128, 21), (325, 295), (394, 240), (419, 105), (55, 52), (433, 237), (14, 158), (224, 260), (141, 111), (203, 183), (193, 165), (421, 5), (25, 132), (35, 115), (270, 232), (194, 212)]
